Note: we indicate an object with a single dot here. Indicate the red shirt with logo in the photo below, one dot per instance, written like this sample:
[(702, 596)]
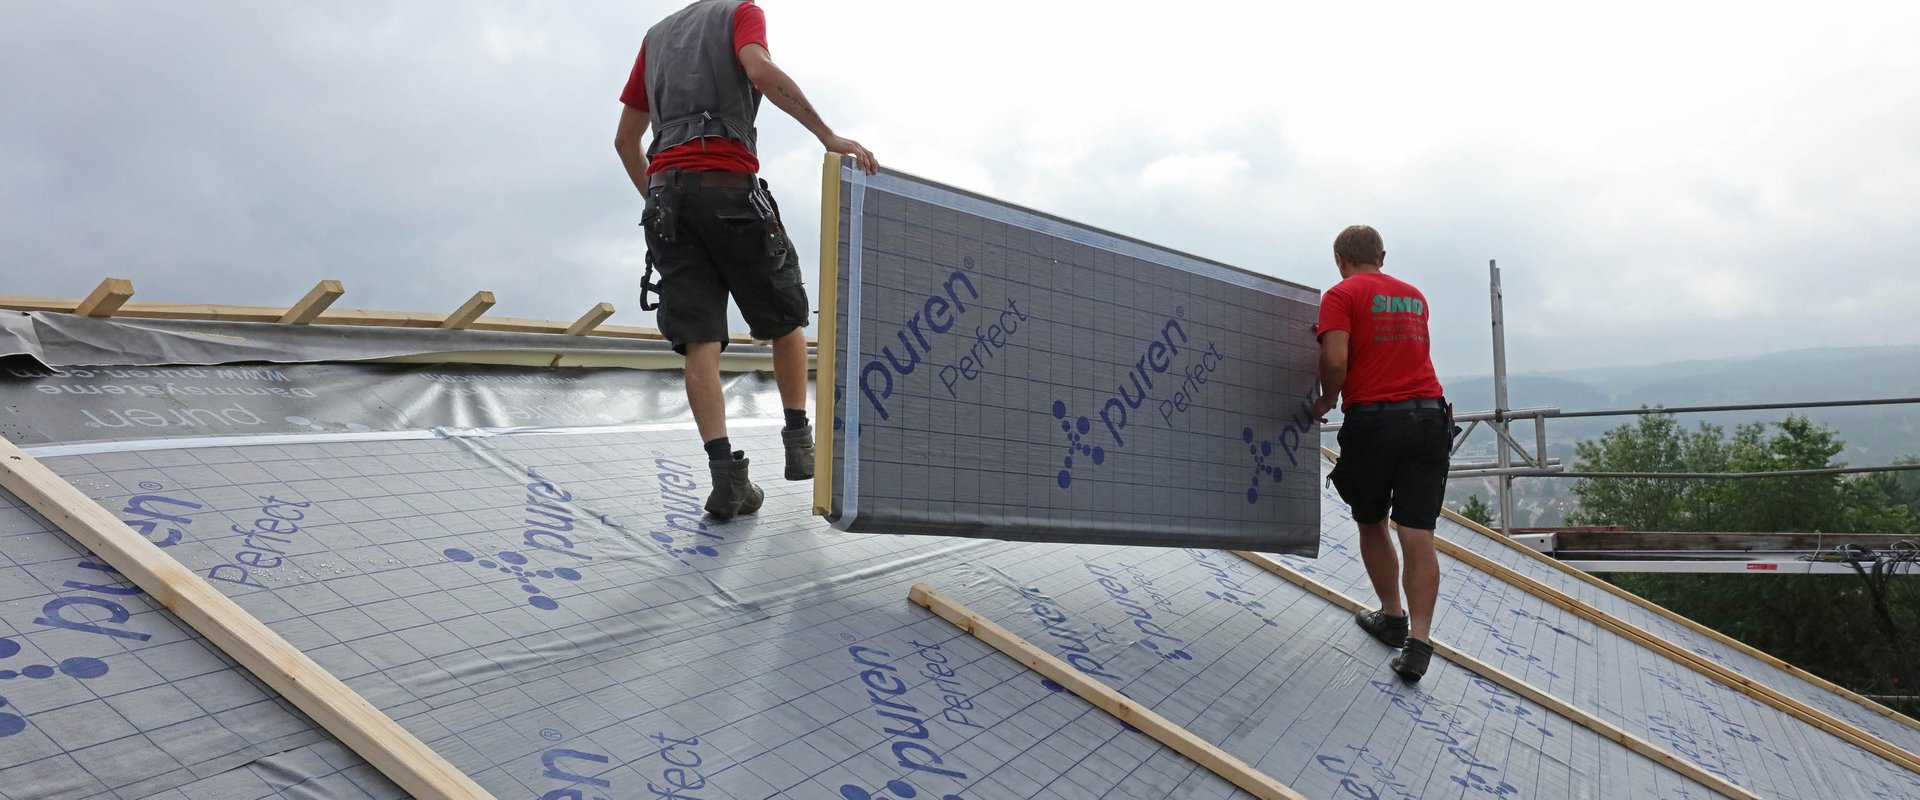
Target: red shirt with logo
[(713, 153), (1388, 355)]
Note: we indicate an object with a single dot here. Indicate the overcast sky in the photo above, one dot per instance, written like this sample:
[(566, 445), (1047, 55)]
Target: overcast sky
[(1659, 181)]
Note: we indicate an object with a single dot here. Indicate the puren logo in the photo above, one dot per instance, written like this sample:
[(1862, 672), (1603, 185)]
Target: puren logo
[(1076, 432), (1132, 392), (685, 532), (1234, 592), (898, 788), (1249, 604), (77, 667), (513, 563), (939, 313), (549, 519), (1260, 451)]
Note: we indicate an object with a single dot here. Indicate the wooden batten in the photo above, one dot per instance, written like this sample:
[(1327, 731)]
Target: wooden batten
[(1220, 762), (314, 304), (1687, 658), (332, 316), (1667, 614), (403, 758), (1576, 714), (468, 312), (1675, 652), (106, 298), (590, 320)]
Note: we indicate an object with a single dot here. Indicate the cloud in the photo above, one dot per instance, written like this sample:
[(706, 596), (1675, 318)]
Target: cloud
[(1658, 182)]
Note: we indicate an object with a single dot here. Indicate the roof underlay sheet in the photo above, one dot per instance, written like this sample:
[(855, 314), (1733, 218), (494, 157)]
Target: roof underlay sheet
[(543, 605)]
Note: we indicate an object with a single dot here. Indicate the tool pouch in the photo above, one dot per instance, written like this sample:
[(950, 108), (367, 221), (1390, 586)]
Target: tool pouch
[(761, 198), (661, 219), (662, 215)]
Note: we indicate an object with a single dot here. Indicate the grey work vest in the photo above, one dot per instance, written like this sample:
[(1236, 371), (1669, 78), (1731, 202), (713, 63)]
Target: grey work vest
[(695, 84)]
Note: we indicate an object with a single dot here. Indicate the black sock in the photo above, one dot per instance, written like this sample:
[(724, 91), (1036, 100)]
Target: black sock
[(720, 449), (796, 418)]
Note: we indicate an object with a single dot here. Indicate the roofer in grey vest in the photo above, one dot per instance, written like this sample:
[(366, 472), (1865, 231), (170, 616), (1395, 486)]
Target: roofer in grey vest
[(712, 226)]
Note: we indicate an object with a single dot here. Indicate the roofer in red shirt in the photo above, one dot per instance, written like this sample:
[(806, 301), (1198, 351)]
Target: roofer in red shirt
[(712, 227), (1395, 440)]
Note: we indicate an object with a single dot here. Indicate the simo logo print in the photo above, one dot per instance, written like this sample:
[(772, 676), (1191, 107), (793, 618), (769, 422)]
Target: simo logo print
[(78, 667), (1076, 432), (896, 788)]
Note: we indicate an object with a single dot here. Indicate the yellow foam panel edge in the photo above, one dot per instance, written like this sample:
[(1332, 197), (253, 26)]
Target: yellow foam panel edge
[(825, 354)]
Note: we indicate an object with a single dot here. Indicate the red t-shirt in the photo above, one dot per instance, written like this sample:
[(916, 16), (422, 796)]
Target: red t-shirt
[(1388, 355), (713, 153)]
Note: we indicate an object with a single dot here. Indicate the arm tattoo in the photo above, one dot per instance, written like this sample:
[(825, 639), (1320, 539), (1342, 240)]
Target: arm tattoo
[(799, 101)]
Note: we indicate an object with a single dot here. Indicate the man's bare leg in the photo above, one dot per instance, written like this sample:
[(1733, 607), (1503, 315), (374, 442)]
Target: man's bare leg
[(1389, 624), (733, 490), (790, 368), (704, 393), (1383, 567), (1422, 579), (790, 371)]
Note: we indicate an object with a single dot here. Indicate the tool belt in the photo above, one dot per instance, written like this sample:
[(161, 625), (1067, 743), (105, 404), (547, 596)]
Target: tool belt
[(1437, 403), (665, 190), (1400, 405), (716, 180)]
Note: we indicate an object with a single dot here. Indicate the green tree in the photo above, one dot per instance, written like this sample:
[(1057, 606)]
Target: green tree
[(1476, 509), (1842, 627), (1902, 487), (1656, 443), (1825, 503)]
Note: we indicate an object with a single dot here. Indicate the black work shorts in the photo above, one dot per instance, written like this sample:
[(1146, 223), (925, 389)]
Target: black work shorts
[(711, 242), (1394, 460)]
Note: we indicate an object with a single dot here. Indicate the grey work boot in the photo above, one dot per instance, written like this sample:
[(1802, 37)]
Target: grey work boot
[(1412, 661), (733, 493), (799, 442), (1389, 629)]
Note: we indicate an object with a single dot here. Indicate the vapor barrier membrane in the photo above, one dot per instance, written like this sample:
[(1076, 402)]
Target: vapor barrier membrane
[(66, 340), (106, 404), (1647, 694), (544, 607), (1007, 374), (546, 612), (1839, 706)]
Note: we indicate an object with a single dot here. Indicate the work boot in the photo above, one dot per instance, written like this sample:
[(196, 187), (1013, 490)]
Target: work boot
[(799, 442), (1412, 661), (1389, 629), (733, 493)]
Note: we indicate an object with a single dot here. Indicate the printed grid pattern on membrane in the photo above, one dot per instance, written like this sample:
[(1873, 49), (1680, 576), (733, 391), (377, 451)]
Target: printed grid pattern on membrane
[(538, 610)]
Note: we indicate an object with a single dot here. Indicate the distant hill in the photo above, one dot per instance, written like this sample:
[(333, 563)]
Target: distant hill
[(1874, 434)]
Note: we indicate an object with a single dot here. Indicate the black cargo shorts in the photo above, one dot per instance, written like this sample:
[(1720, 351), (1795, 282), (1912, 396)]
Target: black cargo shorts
[(1394, 461), (711, 241)]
